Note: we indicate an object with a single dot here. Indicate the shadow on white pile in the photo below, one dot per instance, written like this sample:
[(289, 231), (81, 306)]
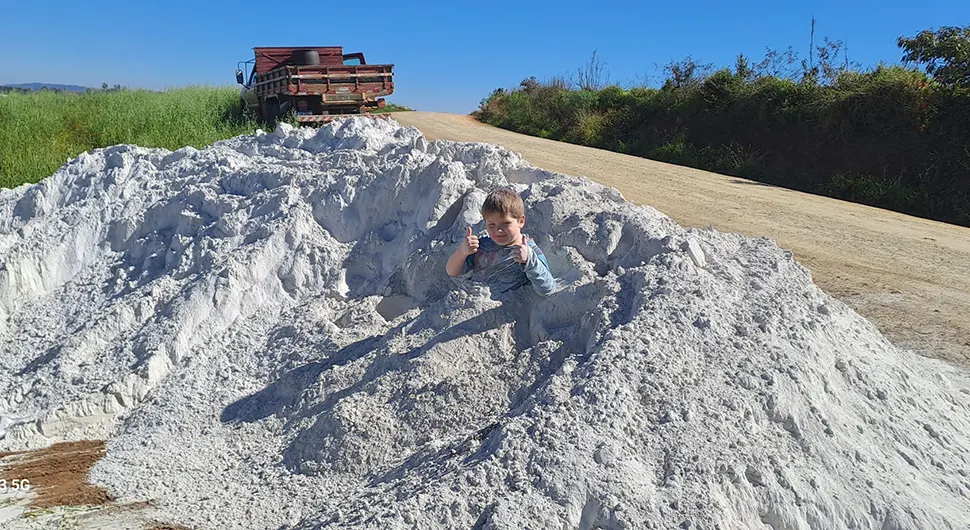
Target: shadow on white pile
[(265, 332)]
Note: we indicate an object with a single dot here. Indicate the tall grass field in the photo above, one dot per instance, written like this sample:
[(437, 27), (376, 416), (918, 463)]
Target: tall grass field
[(40, 131)]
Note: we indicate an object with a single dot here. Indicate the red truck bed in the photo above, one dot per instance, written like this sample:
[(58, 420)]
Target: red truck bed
[(332, 79), (333, 83), (269, 58)]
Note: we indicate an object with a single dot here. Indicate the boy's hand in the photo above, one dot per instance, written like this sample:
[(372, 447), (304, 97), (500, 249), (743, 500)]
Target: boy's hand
[(470, 245), (520, 253)]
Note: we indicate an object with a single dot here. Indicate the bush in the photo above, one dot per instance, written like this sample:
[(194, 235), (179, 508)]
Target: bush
[(891, 137)]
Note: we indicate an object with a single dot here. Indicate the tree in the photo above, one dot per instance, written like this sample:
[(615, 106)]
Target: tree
[(832, 62), (496, 94), (530, 85), (944, 53), (592, 75), (686, 72), (742, 68), (777, 64)]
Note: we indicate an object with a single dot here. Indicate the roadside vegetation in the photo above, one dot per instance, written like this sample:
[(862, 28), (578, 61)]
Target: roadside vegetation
[(895, 137)]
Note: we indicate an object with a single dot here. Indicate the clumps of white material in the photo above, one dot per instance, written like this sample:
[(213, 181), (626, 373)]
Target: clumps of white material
[(265, 332), (695, 253), (7, 422)]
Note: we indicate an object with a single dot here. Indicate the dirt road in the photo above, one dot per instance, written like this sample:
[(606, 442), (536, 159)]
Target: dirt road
[(909, 276)]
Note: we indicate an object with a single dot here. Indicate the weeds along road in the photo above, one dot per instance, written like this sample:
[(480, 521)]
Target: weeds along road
[(909, 276)]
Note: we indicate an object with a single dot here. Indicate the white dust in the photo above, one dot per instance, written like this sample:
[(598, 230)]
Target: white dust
[(265, 333)]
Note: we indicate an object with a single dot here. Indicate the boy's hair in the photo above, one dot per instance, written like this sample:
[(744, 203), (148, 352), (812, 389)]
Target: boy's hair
[(504, 201)]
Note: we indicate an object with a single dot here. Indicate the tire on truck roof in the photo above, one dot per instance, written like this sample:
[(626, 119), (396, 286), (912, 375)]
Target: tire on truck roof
[(305, 58)]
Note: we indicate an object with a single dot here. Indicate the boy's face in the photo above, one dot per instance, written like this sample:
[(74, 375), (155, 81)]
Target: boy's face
[(503, 229)]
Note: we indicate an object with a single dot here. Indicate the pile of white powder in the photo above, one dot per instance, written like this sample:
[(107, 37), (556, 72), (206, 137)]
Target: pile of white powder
[(265, 333)]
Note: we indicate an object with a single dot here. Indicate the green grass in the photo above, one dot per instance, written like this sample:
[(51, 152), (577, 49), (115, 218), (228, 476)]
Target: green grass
[(40, 131), (390, 107)]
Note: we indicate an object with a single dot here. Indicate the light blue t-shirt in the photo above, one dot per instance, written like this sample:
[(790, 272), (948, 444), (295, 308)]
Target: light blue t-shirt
[(493, 265)]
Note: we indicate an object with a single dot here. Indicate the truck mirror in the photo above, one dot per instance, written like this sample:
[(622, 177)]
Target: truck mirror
[(239, 76)]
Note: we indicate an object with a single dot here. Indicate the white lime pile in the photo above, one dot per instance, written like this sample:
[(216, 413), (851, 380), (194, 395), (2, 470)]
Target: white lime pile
[(265, 333)]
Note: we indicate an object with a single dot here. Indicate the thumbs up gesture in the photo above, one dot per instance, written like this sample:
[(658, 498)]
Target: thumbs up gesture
[(470, 244), (520, 253)]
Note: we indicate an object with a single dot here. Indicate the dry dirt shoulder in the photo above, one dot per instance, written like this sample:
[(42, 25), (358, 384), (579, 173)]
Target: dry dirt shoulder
[(58, 494), (909, 276)]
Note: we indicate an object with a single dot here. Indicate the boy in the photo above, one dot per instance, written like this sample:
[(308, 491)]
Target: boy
[(504, 214)]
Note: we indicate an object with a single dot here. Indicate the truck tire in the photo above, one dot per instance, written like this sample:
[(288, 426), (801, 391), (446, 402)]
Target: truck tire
[(270, 110), (305, 58), (245, 110)]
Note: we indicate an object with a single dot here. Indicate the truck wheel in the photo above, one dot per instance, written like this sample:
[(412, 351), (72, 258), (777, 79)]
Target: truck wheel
[(246, 111), (270, 111)]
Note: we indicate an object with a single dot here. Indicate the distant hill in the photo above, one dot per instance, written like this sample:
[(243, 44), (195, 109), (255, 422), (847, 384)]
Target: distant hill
[(53, 86)]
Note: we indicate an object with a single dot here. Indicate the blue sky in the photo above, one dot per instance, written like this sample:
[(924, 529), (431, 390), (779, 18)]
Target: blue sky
[(447, 55)]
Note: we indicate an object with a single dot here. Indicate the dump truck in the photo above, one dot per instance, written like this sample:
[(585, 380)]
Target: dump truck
[(316, 83)]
